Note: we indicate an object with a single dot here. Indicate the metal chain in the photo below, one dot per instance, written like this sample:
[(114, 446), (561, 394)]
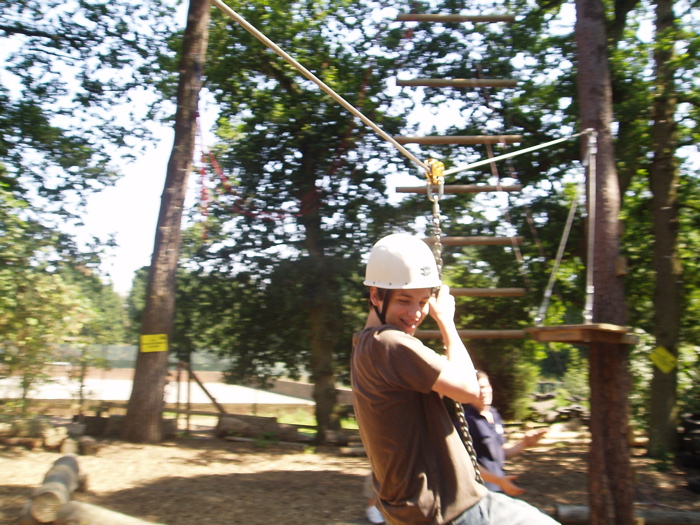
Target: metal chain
[(436, 182), (463, 430)]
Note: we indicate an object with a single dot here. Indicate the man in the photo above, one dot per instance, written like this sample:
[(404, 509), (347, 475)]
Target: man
[(422, 471), (488, 434)]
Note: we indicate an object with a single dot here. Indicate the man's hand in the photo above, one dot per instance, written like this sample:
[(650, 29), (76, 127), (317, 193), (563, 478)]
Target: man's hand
[(532, 437), (509, 488), (442, 306)]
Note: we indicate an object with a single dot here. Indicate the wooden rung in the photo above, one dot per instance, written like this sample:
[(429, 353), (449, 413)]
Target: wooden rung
[(461, 139), (474, 334), (459, 82), (414, 17), (477, 241), (460, 188), (488, 292), (583, 334)]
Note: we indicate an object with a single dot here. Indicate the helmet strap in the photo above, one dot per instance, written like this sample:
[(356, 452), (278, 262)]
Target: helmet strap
[(385, 304)]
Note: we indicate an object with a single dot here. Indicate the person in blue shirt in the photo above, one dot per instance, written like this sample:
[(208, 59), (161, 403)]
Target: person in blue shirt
[(490, 443)]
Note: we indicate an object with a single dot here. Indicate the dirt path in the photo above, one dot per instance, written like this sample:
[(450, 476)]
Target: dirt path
[(211, 481)]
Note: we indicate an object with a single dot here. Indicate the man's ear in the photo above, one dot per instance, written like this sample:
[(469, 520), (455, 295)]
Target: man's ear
[(374, 296)]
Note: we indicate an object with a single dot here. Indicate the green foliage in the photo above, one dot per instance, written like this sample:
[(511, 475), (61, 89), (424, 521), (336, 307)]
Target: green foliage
[(306, 191), (48, 297), (67, 67), (45, 311), (574, 384)]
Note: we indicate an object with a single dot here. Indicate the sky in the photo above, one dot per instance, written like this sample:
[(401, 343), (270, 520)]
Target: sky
[(129, 210)]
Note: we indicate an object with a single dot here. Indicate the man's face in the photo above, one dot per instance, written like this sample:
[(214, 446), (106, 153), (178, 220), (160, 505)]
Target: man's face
[(407, 308), (486, 394)]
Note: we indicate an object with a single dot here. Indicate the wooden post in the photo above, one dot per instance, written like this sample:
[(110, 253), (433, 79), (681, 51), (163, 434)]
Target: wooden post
[(204, 389), (177, 401)]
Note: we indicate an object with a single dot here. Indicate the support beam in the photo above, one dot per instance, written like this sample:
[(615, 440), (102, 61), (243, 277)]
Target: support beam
[(487, 292), (476, 241), (461, 139), (474, 334), (459, 82), (476, 19), (460, 188)]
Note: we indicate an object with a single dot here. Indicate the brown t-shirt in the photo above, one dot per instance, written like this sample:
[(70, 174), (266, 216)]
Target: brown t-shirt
[(422, 471)]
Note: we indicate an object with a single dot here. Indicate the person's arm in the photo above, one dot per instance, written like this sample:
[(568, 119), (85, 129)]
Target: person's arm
[(505, 482), (531, 438), (458, 379)]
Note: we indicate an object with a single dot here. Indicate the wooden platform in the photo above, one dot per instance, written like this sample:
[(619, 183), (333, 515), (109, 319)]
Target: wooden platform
[(583, 334)]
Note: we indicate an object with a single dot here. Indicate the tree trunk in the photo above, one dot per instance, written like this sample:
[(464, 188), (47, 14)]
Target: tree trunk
[(663, 181), (322, 369), (322, 288), (144, 412), (610, 473)]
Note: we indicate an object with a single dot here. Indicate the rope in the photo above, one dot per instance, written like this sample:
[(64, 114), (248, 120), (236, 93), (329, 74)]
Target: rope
[(307, 204), (513, 154), (274, 47), (539, 320), (589, 161), (495, 173)]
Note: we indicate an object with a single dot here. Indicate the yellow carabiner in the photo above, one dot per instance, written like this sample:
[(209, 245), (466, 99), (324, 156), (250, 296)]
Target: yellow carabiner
[(436, 172)]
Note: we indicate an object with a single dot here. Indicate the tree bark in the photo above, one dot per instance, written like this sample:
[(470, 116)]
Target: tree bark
[(663, 182), (144, 412), (610, 473), (321, 338)]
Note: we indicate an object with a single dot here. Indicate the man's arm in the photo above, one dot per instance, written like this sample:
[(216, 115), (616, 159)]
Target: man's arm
[(458, 379), (531, 438), (505, 482)]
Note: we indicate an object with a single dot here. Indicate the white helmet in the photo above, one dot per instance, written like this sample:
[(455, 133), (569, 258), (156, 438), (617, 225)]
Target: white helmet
[(401, 261)]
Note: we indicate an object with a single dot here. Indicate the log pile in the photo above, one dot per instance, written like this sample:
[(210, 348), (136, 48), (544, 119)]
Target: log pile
[(236, 425), (51, 502), (41, 433)]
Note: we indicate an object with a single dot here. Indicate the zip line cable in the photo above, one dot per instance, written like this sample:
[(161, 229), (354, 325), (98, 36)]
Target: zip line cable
[(539, 320), (589, 161), (435, 177), (308, 74), (514, 153)]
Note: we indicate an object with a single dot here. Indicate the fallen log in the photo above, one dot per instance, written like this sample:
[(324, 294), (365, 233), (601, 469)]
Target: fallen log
[(254, 426), (581, 515), (78, 513), (28, 443), (59, 483)]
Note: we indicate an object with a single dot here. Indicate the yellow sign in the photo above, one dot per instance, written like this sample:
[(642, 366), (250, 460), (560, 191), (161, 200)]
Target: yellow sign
[(154, 343), (663, 359)]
